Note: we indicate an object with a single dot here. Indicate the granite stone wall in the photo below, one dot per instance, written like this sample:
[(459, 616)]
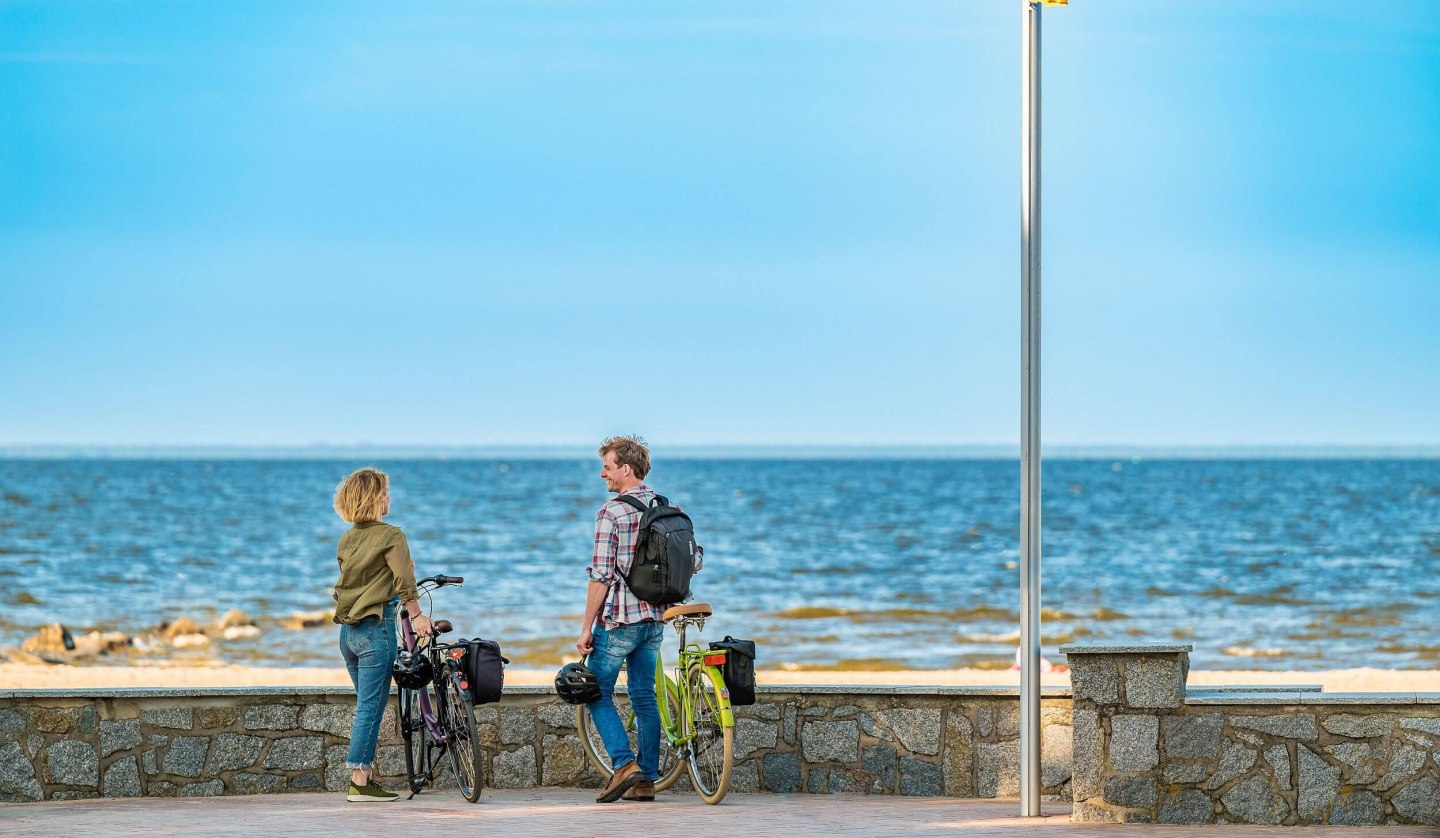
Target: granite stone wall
[(1147, 750), (126, 743)]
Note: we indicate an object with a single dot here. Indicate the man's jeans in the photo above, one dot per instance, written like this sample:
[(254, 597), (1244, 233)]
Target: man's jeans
[(637, 647), (369, 651)]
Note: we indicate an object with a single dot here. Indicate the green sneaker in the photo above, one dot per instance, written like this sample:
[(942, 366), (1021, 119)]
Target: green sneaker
[(369, 793)]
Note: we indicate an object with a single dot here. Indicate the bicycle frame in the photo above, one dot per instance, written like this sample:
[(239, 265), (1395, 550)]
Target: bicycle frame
[(691, 654), (427, 712)]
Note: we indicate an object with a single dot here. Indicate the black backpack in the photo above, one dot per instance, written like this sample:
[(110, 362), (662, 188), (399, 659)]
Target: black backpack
[(665, 553)]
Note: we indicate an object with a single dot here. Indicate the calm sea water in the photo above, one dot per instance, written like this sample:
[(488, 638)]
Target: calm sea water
[(830, 564)]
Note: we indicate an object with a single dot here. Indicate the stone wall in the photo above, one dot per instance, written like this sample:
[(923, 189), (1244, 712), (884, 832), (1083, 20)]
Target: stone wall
[(1147, 750), (954, 741)]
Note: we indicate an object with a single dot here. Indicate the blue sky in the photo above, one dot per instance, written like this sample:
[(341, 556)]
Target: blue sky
[(738, 223)]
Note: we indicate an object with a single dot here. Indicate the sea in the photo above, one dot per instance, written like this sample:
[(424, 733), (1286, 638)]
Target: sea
[(846, 562)]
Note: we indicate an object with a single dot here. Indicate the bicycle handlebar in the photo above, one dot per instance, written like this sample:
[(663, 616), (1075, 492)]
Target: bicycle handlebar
[(440, 580)]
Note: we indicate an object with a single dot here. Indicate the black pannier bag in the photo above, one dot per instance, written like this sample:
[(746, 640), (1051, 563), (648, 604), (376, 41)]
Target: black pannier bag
[(739, 669), (665, 552), (483, 668)]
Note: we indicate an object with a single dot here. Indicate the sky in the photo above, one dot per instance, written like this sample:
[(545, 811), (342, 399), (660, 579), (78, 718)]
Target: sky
[(536, 223)]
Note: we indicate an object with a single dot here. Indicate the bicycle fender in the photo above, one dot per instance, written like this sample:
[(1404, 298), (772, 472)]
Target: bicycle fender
[(727, 716)]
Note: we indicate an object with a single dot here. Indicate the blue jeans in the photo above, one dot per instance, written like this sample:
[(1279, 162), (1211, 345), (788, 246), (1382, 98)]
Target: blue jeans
[(637, 647), (369, 651)]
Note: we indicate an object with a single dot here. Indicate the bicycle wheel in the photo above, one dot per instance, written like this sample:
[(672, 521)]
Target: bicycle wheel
[(712, 748), (412, 730), (594, 746), (459, 721)]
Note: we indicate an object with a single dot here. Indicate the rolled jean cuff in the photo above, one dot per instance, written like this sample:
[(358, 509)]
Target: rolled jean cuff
[(359, 766)]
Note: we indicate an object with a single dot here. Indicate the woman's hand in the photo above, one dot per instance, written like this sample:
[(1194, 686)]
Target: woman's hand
[(422, 625)]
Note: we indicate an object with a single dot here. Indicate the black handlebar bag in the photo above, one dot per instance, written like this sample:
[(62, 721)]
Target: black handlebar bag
[(484, 669), (739, 669)]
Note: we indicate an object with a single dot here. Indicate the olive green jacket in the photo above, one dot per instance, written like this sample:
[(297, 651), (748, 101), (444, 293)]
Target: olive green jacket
[(375, 566)]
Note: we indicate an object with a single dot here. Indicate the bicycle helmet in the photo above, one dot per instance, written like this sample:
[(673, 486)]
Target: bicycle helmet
[(412, 670), (576, 684)]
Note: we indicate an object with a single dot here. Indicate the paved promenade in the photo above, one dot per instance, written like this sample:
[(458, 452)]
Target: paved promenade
[(562, 812)]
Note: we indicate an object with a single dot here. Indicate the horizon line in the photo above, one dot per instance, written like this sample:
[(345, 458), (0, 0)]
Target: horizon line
[(836, 451)]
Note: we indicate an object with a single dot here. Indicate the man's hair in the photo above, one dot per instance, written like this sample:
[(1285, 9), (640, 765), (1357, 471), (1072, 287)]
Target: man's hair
[(361, 496), (629, 451)]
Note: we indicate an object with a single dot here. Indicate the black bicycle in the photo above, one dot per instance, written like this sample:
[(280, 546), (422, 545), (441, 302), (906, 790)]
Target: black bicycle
[(438, 717)]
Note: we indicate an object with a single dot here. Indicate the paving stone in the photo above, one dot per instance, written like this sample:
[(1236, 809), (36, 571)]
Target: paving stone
[(882, 762), (1301, 728), (997, 769), (234, 750), (216, 718), (781, 773), (1254, 801), (250, 783), (1192, 737), (1319, 783), (89, 720), (1185, 806), (296, 753), (306, 782), (210, 788), (118, 736), (958, 763), (752, 735), (337, 776), (1405, 762), (515, 769), (177, 718), (1085, 783), (122, 779), (10, 720), (17, 774), (1094, 678), (870, 727), (334, 719), (73, 763), (831, 741), (1185, 772), (844, 711), (1358, 808), (147, 759), (186, 756), (1419, 801), (1156, 683), (1278, 758), (1133, 742), (745, 778), (55, 719), (389, 761), (790, 725), (1428, 725), (74, 795), (1133, 792), (1359, 756), (1358, 726), (768, 712), (918, 777), (1056, 754), (517, 726), (1235, 760), (554, 714), (564, 763), (1006, 720), (271, 717)]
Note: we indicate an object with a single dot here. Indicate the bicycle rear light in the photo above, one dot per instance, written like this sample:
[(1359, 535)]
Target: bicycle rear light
[(714, 658), (457, 654)]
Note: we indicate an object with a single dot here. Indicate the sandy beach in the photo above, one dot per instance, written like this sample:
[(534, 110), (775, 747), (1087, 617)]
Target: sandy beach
[(61, 676)]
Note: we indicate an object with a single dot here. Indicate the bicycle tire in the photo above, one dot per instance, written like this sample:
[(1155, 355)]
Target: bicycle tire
[(712, 744), (466, 755), (412, 730), (671, 766)]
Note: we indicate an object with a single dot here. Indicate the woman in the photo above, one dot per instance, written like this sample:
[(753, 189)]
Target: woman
[(376, 575)]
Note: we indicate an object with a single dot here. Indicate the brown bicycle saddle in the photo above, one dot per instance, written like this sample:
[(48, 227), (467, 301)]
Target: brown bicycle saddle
[(694, 609)]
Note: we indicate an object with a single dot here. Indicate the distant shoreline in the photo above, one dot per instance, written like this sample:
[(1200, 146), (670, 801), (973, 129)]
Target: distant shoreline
[(1121, 452)]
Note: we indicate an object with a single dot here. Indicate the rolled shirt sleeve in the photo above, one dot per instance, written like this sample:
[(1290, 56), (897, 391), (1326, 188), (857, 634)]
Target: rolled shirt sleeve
[(607, 549), (402, 567)]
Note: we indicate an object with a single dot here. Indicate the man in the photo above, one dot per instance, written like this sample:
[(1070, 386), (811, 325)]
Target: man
[(620, 629)]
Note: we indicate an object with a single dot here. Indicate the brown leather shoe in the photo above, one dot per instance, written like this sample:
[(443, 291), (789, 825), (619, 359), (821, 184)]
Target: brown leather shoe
[(620, 782), (643, 790)]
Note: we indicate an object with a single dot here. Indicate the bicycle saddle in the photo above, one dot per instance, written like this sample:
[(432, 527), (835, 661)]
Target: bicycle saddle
[(442, 626), (694, 609)]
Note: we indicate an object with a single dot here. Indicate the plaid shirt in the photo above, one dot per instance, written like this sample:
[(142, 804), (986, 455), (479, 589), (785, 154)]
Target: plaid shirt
[(617, 525)]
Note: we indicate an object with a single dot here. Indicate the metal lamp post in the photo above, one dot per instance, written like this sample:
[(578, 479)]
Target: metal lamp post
[(1030, 409)]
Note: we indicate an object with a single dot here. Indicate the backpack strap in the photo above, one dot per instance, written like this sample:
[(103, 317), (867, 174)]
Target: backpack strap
[(633, 501)]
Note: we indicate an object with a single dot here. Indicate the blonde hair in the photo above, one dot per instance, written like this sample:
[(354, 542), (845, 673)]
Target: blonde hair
[(629, 451), (361, 496)]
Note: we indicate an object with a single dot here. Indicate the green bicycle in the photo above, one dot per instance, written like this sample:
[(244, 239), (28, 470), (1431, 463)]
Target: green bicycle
[(697, 726)]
